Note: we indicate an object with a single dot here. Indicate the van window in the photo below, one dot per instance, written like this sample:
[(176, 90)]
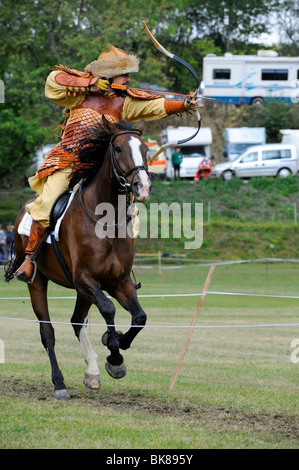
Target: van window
[(221, 74), (250, 157), (190, 150), (286, 153), (275, 154), (274, 74)]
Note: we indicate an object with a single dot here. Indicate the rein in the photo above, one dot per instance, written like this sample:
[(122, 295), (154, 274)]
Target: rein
[(118, 172), (120, 176)]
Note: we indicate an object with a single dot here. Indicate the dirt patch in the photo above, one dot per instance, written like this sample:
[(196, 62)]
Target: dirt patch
[(230, 418)]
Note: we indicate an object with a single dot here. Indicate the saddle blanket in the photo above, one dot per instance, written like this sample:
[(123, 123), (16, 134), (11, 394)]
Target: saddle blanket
[(26, 222)]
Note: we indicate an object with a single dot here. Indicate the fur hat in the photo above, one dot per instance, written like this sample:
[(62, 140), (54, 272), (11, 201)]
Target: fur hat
[(112, 63)]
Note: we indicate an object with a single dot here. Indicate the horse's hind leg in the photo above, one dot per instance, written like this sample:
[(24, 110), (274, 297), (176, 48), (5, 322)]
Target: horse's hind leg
[(127, 297), (38, 294), (92, 373)]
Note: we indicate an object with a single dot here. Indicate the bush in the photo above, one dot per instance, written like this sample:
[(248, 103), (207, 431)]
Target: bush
[(273, 115)]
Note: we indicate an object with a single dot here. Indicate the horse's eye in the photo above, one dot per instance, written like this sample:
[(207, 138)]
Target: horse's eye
[(118, 149)]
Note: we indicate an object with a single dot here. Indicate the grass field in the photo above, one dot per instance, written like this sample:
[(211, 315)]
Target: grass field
[(237, 387)]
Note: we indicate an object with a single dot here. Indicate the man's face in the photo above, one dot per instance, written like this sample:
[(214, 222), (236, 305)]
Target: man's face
[(122, 79)]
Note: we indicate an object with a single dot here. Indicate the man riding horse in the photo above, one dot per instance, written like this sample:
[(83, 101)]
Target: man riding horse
[(100, 90)]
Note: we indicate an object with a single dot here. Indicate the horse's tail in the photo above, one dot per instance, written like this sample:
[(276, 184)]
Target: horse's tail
[(11, 265)]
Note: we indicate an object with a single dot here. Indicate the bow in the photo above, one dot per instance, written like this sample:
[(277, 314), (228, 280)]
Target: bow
[(194, 96)]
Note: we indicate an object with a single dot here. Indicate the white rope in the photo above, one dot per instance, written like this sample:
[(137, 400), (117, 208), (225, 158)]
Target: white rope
[(197, 294), (266, 325), (217, 263)]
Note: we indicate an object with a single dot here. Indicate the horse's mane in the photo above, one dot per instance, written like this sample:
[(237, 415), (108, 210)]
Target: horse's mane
[(92, 150)]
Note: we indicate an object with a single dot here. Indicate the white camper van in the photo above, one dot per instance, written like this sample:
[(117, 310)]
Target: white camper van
[(250, 79), (291, 136), (193, 151), (238, 139)]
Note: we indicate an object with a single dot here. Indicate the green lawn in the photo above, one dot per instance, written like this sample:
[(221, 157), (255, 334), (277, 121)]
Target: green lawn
[(237, 387)]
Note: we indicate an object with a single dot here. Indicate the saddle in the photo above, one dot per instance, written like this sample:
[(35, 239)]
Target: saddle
[(57, 211), (59, 207)]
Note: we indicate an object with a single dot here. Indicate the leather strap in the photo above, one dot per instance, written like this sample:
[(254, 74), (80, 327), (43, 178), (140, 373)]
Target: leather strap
[(60, 259)]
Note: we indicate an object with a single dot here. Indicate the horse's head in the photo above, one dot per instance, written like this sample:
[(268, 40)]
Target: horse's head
[(128, 155)]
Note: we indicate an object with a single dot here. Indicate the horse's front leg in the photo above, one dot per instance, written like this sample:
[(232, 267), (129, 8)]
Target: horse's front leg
[(91, 291), (127, 297), (79, 322)]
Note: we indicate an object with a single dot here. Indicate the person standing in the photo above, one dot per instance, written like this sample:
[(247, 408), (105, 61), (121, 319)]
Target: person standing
[(2, 244), (176, 160)]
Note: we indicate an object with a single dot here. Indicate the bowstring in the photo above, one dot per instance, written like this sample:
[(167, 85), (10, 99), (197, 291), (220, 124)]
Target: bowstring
[(134, 42)]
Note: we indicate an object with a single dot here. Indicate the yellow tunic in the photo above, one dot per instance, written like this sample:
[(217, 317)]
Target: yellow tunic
[(134, 109)]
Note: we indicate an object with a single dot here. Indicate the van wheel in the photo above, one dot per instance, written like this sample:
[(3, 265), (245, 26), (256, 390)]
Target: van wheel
[(227, 175), (258, 101), (283, 172)]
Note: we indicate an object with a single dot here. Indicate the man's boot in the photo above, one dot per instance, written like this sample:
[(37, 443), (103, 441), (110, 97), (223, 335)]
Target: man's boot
[(26, 270)]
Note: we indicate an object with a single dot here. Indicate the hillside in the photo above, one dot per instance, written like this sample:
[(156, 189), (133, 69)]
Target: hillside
[(252, 219), (241, 220)]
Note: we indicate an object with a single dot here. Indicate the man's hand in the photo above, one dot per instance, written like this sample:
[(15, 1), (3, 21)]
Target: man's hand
[(102, 85), (191, 105)]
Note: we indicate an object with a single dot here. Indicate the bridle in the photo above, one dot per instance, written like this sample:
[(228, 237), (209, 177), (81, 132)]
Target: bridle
[(120, 175), (118, 172)]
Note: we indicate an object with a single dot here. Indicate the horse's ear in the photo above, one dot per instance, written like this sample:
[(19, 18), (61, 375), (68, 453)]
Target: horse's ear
[(106, 124), (141, 126)]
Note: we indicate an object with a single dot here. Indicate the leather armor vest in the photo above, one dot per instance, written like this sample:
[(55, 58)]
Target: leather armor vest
[(110, 105)]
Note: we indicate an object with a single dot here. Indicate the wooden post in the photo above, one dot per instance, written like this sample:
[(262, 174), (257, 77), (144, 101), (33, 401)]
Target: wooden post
[(193, 323), (159, 262)]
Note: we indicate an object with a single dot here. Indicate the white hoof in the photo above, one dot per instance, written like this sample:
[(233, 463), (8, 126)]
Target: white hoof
[(92, 381)]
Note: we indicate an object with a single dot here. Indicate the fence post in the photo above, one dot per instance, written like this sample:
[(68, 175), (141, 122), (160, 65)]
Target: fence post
[(159, 262), (209, 211), (295, 213)]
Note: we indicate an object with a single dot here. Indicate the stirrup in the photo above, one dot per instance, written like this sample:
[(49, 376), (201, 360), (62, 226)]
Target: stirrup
[(30, 281), (34, 272)]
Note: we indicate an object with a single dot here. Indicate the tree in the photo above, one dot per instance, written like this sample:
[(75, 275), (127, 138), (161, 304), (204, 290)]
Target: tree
[(20, 139), (228, 21), (287, 22)]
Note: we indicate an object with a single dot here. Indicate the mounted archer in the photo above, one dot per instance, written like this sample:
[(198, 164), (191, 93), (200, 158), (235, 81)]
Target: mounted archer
[(100, 90)]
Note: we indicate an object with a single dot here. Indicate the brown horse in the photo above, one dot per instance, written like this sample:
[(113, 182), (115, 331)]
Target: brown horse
[(115, 156)]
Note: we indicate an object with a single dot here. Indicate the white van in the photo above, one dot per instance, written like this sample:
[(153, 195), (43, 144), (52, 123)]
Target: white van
[(157, 169), (260, 160), (250, 79), (290, 136), (193, 151), (238, 139)]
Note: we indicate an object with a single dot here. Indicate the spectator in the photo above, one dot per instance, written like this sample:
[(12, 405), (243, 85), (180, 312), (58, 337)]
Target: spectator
[(176, 160), (204, 169), (2, 244), (9, 239)]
